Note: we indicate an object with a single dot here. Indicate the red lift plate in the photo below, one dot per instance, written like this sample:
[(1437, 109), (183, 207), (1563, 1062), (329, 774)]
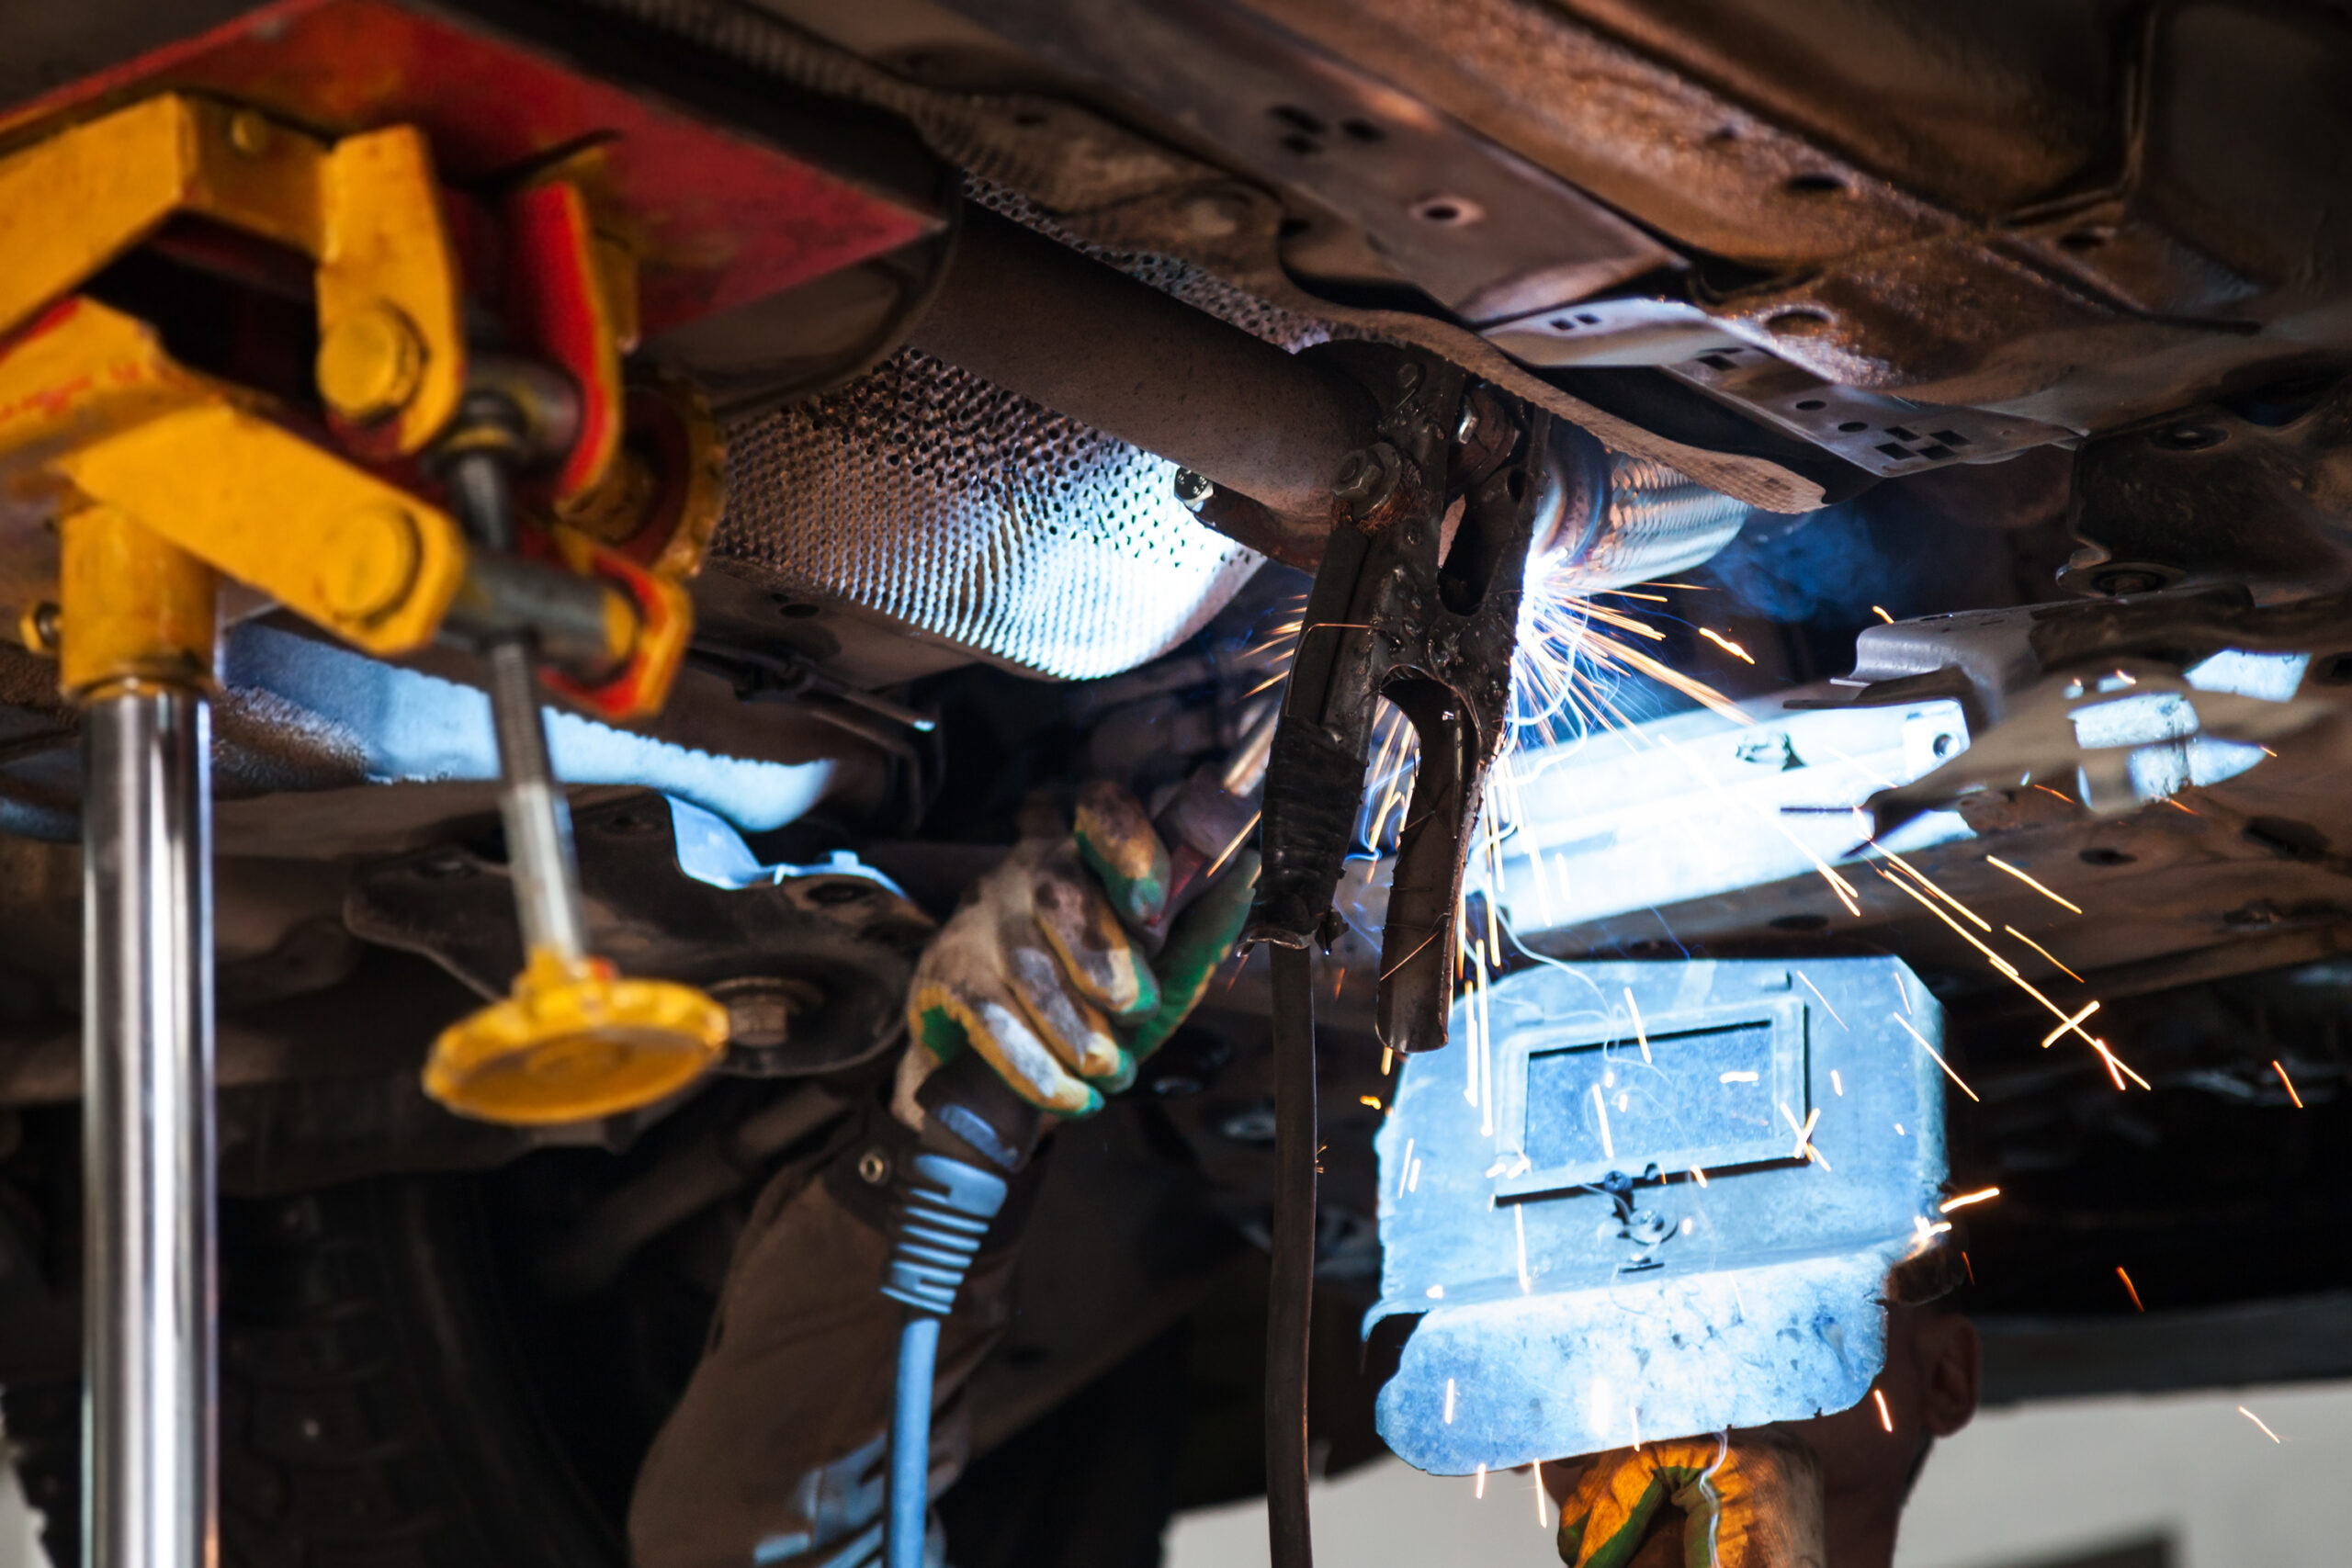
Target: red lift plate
[(719, 217)]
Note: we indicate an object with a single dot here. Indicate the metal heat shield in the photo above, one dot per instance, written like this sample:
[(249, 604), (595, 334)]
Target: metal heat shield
[(1643, 1200)]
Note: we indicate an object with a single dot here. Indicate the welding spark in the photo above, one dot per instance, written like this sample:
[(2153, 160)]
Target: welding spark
[(1405, 1172), (2288, 1082), (1998, 864), (1639, 1032), (1542, 1516), (1939, 1055), (1885, 1417), (1804, 1149), (1470, 1055), (1825, 1001), (2115, 1069), (1965, 1199), (1727, 645), (1837, 1083), (2051, 1038), (2045, 953), (1449, 1402), (1518, 1223), (1226, 853), (1478, 1489), (1371, 1099), (1601, 1108), (1276, 679), (1881, 615), (1920, 877), (2258, 1422), (2129, 1288), (2010, 973), (1485, 1043)]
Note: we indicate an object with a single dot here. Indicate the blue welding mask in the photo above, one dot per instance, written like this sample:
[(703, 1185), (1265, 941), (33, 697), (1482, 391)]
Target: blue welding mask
[(1643, 1200)]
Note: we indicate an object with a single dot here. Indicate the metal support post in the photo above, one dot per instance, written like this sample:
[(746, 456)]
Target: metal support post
[(136, 626)]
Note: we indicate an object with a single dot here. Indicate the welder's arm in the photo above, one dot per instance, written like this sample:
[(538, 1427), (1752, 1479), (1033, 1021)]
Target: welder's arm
[(1752, 1502), (774, 1454)]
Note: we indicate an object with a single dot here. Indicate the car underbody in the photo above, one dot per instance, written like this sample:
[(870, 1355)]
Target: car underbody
[(1967, 410)]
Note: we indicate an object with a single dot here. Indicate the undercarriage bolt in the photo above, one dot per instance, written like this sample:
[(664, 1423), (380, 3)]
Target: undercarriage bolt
[(1193, 489), (1366, 476)]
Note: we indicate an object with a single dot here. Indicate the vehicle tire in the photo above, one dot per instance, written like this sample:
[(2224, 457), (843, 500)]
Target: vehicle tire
[(375, 1409)]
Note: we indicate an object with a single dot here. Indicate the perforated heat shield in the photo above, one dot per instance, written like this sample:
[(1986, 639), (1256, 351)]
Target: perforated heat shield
[(931, 496)]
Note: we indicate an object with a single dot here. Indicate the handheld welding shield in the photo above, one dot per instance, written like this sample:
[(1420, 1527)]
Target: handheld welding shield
[(1651, 1200)]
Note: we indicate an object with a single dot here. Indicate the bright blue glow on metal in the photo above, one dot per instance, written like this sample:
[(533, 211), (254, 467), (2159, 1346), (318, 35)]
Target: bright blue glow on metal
[(410, 726), (2167, 755), (1577, 1284), (2273, 677), (1691, 806), (711, 851)]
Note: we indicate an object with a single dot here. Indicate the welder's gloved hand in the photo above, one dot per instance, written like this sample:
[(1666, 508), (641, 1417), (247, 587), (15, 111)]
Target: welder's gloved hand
[(1041, 971), (1753, 1502)]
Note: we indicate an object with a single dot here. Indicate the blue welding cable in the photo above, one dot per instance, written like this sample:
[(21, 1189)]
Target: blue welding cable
[(910, 1475), (976, 1134)]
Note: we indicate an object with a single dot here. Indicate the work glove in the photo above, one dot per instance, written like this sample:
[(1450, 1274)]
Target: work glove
[(1752, 1502), (1041, 970)]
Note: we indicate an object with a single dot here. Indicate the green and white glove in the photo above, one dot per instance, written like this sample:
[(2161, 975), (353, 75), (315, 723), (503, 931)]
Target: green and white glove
[(1040, 971), (1750, 1503)]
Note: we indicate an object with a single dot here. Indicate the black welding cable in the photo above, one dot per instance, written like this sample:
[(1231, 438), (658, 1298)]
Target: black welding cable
[(1291, 1291)]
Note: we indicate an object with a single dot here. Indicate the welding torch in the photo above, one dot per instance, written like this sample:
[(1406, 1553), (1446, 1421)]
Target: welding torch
[(1415, 607)]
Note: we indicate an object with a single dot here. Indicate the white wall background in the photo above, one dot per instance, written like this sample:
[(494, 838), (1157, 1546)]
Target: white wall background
[(2020, 1486), (19, 1526)]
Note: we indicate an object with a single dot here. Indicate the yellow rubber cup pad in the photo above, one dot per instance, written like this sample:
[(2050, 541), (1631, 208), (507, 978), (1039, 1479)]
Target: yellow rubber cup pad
[(575, 1042)]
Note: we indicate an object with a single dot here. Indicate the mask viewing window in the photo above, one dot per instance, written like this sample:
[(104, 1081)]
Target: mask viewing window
[(1703, 1097)]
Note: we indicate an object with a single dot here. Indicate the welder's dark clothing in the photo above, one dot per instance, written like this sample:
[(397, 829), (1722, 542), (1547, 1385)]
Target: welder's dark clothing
[(775, 1453), (774, 1456)]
